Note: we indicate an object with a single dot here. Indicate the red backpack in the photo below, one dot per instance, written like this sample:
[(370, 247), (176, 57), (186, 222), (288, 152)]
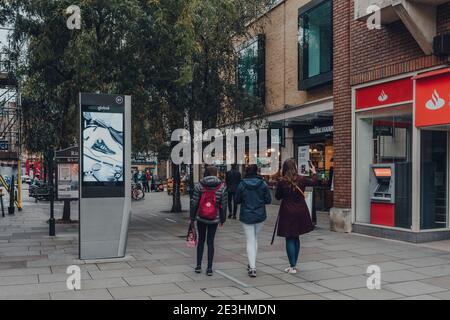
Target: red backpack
[(207, 208)]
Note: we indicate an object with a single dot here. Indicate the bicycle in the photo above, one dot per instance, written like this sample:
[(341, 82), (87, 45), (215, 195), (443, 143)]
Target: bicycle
[(137, 192)]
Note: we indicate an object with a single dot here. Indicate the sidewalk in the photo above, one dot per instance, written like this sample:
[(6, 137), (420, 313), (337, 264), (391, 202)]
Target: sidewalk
[(160, 266)]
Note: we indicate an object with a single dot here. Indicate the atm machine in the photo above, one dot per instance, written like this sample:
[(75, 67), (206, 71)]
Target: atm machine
[(390, 187), (382, 186)]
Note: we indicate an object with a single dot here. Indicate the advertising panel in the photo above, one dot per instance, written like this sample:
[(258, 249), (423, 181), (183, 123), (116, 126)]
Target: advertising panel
[(68, 183), (303, 160), (102, 158)]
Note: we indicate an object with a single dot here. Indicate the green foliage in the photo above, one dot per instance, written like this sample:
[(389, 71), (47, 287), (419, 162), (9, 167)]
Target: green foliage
[(175, 57)]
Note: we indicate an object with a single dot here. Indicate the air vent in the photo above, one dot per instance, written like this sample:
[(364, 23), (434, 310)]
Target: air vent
[(441, 45)]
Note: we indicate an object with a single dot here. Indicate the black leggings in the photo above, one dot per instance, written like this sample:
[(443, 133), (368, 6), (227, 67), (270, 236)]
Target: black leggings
[(206, 232), (232, 204)]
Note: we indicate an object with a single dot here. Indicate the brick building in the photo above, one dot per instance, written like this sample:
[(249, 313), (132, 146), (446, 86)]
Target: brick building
[(295, 81), (391, 128)]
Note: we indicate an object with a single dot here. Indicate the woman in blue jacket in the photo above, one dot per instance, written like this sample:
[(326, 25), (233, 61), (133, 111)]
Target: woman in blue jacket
[(253, 195)]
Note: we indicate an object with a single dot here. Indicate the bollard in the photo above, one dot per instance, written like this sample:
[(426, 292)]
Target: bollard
[(11, 208), (1, 202)]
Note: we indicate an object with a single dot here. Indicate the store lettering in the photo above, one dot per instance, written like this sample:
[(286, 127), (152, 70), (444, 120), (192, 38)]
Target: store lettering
[(320, 130)]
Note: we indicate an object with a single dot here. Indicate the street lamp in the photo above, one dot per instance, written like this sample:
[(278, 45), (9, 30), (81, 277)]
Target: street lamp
[(51, 221)]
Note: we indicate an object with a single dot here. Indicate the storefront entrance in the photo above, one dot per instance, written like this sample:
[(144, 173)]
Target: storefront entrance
[(401, 157), (434, 179), (313, 141)]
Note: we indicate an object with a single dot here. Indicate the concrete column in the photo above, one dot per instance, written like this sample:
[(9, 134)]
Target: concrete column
[(288, 151), (197, 169)]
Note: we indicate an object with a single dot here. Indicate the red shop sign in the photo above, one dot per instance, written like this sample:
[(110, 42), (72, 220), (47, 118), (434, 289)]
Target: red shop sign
[(433, 98), (385, 94)]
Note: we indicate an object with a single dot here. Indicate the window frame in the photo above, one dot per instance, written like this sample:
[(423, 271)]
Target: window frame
[(260, 84), (322, 78)]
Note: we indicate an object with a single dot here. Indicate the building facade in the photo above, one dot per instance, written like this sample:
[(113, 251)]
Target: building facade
[(391, 98), (288, 62), (361, 89)]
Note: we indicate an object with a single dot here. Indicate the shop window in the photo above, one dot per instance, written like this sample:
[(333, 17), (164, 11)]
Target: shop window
[(315, 44), (383, 180), (434, 179), (251, 68)]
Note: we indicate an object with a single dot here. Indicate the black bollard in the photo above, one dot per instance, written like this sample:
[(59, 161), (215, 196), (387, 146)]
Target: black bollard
[(11, 208)]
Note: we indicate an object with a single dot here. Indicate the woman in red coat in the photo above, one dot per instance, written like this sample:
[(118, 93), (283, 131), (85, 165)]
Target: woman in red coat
[(294, 216)]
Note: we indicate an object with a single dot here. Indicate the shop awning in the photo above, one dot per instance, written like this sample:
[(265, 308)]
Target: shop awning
[(432, 73)]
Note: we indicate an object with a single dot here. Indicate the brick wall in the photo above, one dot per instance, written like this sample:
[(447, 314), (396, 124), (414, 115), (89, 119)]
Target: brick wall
[(342, 104), (362, 55), (378, 54)]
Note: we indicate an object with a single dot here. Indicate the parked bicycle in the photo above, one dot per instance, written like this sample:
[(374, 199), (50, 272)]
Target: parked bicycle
[(137, 191)]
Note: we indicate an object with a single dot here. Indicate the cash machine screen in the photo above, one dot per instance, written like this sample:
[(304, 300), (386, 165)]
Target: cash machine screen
[(383, 172)]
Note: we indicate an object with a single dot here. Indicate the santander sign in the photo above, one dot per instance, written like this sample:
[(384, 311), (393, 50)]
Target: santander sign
[(433, 99), (436, 102)]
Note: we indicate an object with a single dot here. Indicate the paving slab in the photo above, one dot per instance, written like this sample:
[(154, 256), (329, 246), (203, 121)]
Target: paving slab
[(99, 294), (366, 294), (145, 291), (413, 288)]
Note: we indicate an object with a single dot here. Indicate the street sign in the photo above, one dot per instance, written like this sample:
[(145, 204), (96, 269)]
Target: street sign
[(4, 145)]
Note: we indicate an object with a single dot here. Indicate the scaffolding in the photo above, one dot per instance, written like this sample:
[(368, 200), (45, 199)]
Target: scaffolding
[(10, 119)]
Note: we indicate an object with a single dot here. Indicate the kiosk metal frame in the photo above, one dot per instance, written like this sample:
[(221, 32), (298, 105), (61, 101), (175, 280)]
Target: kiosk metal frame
[(105, 181)]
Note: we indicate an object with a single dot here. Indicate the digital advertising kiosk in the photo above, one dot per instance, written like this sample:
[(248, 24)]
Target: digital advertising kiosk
[(105, 168)]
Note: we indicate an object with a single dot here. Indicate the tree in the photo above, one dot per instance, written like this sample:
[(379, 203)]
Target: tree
[(175, 57), (212, 96)]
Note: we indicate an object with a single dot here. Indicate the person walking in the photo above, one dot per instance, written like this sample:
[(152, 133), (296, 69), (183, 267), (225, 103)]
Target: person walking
[(232, 179), (253, 195), (294, 218), (148, 179), (208, 209)]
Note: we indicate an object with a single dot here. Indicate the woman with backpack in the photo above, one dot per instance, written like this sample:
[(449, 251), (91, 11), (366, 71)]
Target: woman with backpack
[(253, 195), (208, 208), (294, 218)]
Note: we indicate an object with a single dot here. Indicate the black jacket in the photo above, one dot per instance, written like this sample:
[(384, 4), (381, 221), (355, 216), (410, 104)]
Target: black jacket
[(221, 196), (253, 194), (232, 180)]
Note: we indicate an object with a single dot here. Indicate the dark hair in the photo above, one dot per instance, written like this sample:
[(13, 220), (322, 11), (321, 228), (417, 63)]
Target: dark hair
[(211, 171), (233, 167), (251, 170), (290, 170)]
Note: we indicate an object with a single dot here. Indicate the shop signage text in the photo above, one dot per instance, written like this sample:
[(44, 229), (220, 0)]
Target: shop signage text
[(321, 130)]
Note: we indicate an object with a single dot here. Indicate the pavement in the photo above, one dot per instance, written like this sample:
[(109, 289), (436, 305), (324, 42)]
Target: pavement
[(159, 265)]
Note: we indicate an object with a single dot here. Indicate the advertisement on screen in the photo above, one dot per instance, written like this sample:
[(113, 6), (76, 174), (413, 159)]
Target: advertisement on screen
[(102, 158)]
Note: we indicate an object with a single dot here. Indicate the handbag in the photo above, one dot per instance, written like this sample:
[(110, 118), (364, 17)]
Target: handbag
[(297, 188), (191, 238)]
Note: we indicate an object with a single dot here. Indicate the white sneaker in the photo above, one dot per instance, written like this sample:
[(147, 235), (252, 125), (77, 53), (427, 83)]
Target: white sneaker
[(293, 271), (287, 270)]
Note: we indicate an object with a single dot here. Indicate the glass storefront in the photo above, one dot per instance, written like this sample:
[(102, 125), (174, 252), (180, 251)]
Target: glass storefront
[(313, 141), (434, 179), (401, 155), (384, 167)]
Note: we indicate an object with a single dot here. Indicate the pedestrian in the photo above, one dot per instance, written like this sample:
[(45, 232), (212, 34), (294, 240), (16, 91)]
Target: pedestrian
[(136, 177), (153, 178), (233, 178), (253, 195), (294, 218), (208, 209), (148, 179)]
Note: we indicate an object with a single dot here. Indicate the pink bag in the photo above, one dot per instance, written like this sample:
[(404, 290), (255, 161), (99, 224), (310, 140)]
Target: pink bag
[(191, 238)]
